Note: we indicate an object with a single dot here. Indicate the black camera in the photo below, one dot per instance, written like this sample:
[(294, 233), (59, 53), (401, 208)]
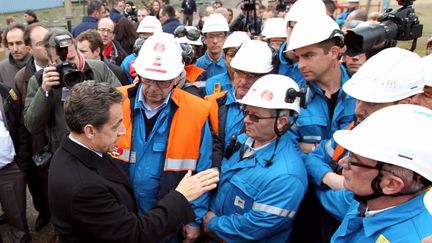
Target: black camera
[(400, 24), (69, 74)]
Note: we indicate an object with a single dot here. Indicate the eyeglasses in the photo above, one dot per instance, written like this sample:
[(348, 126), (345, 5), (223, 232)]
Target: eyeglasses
[(192, 34), (108, 31), (351, 163), (256, 118), (249, 77), (160, 84), (219, 36)]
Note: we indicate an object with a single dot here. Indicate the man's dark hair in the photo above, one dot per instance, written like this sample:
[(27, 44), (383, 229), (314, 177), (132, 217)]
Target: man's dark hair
[(89, 104), (28, 30), (9, 28), (93, 37), (115, 2), (169, 11), (326, 45), (93, 5), (330, 6)]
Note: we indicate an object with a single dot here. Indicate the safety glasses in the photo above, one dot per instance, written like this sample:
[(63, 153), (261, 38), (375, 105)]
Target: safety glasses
[(256, 118), (192, 34)]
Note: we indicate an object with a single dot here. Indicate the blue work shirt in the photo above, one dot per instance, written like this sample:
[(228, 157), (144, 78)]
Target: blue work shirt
[(212, 67), (257, 201), (146, 171), (314, 124), (223, 80), (405, 223)]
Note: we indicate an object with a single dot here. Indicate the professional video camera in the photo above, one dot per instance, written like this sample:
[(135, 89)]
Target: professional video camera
[(69, 74), (251, 22), (400, 24)]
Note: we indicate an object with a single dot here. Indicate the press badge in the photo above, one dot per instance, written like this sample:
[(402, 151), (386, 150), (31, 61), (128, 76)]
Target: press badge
[(66, 93), (217, 88)]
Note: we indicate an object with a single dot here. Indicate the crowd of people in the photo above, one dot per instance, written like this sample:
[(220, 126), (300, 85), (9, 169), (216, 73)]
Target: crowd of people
[(139, 126)]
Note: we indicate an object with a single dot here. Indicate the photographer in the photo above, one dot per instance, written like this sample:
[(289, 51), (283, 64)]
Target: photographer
[(247, 20), (48, 89)]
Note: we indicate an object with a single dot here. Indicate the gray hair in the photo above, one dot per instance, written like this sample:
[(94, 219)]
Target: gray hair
[(410, 178), (89, 104)]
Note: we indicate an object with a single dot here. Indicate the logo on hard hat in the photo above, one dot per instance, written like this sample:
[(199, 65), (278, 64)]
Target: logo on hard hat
[(267, 95), (159, 48)]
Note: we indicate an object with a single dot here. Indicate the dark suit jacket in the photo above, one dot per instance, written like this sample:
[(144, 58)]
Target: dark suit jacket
[(91, 200)]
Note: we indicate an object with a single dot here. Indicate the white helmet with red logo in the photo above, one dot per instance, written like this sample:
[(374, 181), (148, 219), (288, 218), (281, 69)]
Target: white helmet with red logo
[(271, 91), (149, 24), (160, 58)]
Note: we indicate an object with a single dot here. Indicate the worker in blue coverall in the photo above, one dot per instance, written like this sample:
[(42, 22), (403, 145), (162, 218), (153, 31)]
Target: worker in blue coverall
[(317, 42), (223, 81), (387, 174), (163, 137), (253, 60), (264, 181), (368, 86), (215, 31)]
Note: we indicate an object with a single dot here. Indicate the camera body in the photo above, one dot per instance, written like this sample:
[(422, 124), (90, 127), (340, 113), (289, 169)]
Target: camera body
[(400, 24), (69, 74)]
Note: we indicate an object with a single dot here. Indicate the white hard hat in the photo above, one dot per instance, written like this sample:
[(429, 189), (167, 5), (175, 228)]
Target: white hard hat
[(215, 23), (269, 92), (186, 40), (391, 75), (427, 62), (149, 24), (398, 135), (254, 56), (235, 39), (160, 58), (305, 9), (428, 200), (353, 1), (274, 28), (310, 31)]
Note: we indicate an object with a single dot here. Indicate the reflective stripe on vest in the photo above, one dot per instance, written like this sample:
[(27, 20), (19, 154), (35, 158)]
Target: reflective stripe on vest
[(214, 117), (273, 210), (179, 164)]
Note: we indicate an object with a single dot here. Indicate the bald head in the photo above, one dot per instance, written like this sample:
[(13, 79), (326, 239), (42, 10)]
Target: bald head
[(105, 28)]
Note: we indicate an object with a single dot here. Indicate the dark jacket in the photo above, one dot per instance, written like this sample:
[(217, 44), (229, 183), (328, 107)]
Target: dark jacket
[(88, 22), (118, 72), (9, 67), (115, 15), (189, 7), (91, 200), (19, 134), (170, 25)]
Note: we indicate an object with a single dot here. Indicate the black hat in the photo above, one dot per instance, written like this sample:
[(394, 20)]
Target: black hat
[(31, 13)]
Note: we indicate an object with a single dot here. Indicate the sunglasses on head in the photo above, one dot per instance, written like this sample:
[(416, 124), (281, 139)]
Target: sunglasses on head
[(192, 34)]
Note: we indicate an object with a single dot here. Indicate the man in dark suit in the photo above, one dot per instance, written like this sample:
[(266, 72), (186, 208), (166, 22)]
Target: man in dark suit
[(90, 197)]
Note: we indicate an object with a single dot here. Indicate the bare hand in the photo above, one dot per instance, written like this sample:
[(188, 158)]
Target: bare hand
[(191, 233), (207, 219), (307, 147), (427, 239), (192, 187), (334, 181), (50, 78)]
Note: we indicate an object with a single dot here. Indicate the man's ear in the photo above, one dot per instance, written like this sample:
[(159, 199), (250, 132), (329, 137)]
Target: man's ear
[(392, 184), (282, 123), (89, 131)]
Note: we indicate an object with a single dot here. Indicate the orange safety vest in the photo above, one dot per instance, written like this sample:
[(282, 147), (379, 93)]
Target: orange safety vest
[(184, 137), (339, 150), (193, 72), (214, 117)]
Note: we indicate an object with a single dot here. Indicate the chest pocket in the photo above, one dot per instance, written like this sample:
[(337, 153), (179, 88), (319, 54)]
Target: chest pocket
[(242, 196), (159, 147), (312, 129)]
